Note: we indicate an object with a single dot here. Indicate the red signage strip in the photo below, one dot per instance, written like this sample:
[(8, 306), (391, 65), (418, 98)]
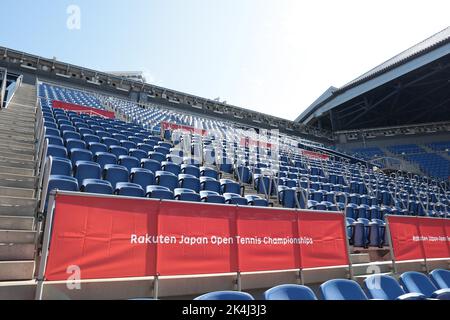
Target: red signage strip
[(173, 126), (249, 142), (315, 155), (82, 109), (418, 238), (117, 237)]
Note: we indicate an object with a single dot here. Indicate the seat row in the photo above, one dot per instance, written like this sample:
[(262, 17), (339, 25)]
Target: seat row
[(411, 286)]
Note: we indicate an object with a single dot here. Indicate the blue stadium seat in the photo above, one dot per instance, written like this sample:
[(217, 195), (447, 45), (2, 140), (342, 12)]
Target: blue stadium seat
[(384, 287), (75, 144), (287, 196), (342, 289), (56, 151), (110, 141), (361, 233), (211, 197), (417, 282), (230, 186), (129, 189), (162, 150), (86, 170), (53, 140), (289, 292), (142, 177), (184, 194), (128, 144), (60, 182), (95, 147), (129, 162), (256, 201), (104, 158), (166, 179), (137, 153), (71, 135), (61, 166), (80, 155), (145, 147), (188, 181), (209, 172), (243, 174), (440, 278), (225, 295), (157, 156), (118, 151), (96, 186), (88, 138), (52, 132), (151, 165), (209, 184), (190, 169), (233, 198), (159, 192), (114, 174), (170, 167)]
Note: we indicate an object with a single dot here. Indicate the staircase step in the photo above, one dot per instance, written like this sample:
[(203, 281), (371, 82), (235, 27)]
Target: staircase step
[(16, 171), (17, 145), (24, 207), (16, 270), (17, 236), (4, 129), (360, 258), (16, 192), (10, 137), (7, 121), (15, 155), (17, 252), (17, 163), (16, 223), (372, 267), (14, 149), (17, 181), (360, 279), (18, 290)]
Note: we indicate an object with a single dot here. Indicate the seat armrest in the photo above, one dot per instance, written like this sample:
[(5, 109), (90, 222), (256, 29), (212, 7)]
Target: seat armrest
[(412, 296), (442, 294)]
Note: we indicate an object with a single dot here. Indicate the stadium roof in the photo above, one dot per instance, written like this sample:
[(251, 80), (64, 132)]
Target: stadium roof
[(416, 72)]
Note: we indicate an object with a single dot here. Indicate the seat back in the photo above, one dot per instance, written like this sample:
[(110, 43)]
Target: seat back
[(440, 278), (383, 287), (413, 281), (289, 292), (96, 186), (342, 289), (225, 295)]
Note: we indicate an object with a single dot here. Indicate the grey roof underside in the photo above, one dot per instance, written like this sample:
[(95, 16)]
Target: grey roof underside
[(415, 57)]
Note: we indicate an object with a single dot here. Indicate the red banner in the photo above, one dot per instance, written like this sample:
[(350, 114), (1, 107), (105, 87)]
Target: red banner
[(268, 239), (204, 239), (315, 155), (327, 233), (120, 237), (96, 235), (416, 238), (173, 126), (82, 109)]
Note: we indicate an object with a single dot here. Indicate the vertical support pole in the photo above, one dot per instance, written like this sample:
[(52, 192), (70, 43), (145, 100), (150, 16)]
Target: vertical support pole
[(156, 287), (46, 245), (391, 247), (347, 246)]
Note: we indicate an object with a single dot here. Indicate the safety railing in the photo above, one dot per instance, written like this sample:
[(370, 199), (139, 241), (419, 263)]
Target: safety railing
[(3, 74)]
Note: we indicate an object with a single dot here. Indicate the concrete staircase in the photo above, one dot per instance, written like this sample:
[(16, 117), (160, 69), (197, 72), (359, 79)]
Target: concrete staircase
[(18, 183)]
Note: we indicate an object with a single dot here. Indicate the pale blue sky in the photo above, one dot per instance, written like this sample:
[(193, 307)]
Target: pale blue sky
[(273, 56)]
